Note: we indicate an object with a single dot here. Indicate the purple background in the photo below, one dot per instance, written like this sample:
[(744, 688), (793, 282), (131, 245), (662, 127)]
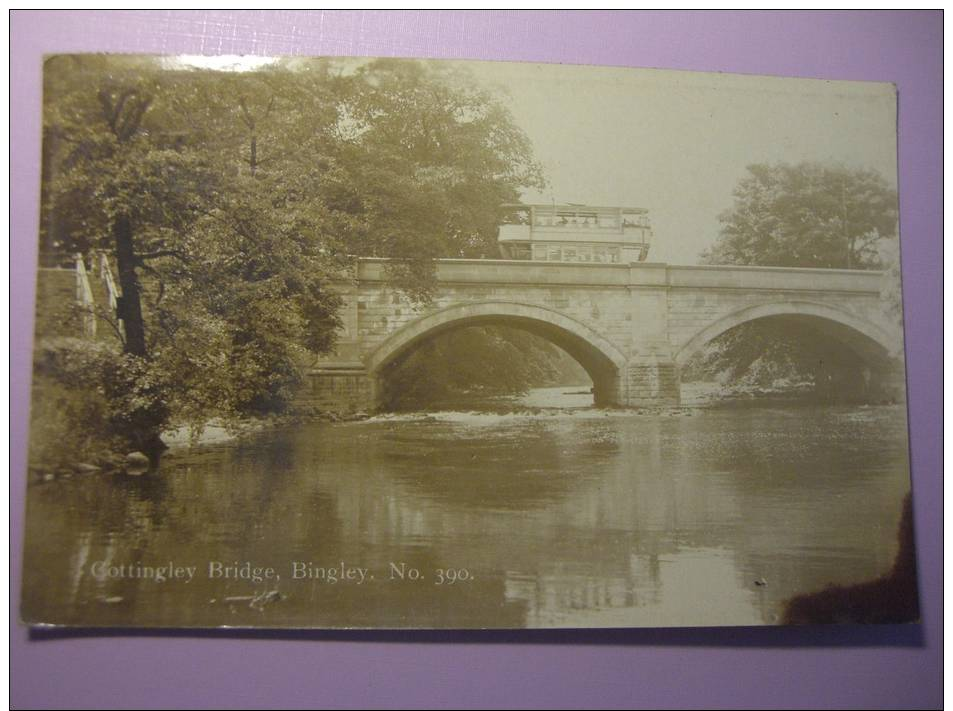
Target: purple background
[(886, 666)]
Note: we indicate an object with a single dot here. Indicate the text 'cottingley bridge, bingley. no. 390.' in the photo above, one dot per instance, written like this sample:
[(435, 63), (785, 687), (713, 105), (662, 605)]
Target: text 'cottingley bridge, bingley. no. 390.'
[(577, 278)]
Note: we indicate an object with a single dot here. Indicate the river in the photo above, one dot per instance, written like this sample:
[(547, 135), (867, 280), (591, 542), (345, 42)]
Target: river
[(562, 517)]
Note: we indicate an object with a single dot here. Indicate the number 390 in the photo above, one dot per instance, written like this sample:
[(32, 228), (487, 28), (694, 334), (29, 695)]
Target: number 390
[(449, 576)]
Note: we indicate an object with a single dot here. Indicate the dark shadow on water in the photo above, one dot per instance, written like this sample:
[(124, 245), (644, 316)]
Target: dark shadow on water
[(754, 637), (891, 598)]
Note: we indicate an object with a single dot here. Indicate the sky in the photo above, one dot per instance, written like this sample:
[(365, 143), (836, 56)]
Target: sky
[(677, 143), (674, 142)]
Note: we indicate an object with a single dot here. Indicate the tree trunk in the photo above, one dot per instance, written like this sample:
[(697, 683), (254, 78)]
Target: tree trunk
[(144, 429), (130, 308)]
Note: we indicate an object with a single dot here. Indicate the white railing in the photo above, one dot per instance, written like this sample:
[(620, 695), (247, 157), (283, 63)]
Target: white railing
[(84, 297), (112, 292)]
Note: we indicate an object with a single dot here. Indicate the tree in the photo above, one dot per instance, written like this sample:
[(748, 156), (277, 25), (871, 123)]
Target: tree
[(228, 202), (804, 215), (111, 181), (807, 215), (428, 160), (220, 262)]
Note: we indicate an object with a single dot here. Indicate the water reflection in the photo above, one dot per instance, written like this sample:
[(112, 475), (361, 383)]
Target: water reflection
[(581, 518)]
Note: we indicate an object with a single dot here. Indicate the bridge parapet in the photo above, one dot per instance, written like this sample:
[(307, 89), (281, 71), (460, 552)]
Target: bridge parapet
[(775, 279), (503, 271)]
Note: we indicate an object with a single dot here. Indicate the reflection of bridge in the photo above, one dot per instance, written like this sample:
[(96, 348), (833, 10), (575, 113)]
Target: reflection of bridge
[(631, 326)]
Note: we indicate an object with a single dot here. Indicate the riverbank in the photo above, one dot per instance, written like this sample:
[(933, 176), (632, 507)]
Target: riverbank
[(572, 401), (103, 456), (216, 432), (186, 437), (567, 401)]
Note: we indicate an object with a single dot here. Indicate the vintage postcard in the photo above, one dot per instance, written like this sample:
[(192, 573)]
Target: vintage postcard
[(382, 343)]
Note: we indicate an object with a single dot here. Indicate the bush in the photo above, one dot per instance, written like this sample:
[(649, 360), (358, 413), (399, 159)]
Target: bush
[(90, 400)]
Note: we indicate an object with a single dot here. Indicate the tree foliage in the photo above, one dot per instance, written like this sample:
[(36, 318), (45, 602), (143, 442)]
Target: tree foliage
[(88, 395), (807, 215), (427, 161), (227, 203), (477, 361), (759, 354), (804, 215)]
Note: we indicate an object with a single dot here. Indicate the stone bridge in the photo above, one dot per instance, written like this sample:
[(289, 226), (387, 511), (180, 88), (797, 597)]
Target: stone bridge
[(631, 326)]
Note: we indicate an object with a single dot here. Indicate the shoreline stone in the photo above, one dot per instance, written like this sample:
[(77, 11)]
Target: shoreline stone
[(137, 464)]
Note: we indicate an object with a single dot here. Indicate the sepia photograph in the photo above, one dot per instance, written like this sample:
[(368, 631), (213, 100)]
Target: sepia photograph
[(328, 342)]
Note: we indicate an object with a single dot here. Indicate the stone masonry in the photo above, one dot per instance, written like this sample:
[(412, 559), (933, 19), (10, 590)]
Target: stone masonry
[(631, 326)]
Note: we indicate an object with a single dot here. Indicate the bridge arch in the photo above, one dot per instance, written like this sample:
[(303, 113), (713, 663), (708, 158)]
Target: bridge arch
[(602, 360), (865, 338)]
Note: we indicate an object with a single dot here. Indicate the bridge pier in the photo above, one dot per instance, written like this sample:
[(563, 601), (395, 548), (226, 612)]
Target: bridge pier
[(649, 382), (344, 389)]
